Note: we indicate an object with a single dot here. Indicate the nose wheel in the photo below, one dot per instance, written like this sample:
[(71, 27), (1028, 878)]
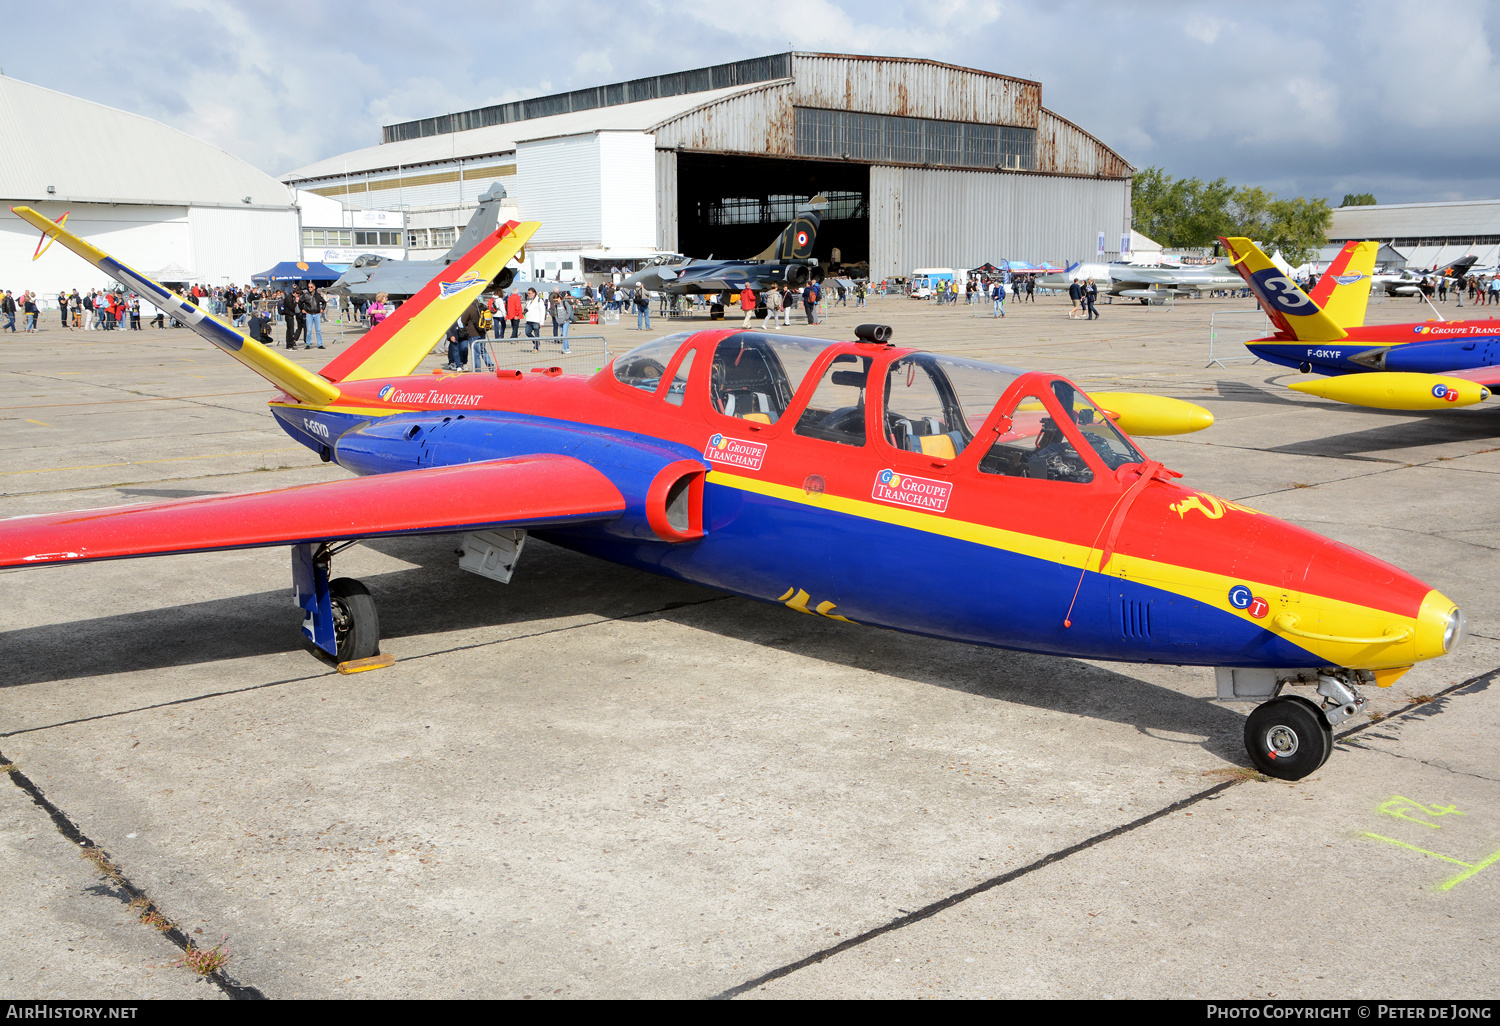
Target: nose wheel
[(1288, 738)]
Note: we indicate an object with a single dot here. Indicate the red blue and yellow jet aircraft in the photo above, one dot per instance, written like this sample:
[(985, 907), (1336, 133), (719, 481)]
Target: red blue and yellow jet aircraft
[(1429, 365), (856, 480)]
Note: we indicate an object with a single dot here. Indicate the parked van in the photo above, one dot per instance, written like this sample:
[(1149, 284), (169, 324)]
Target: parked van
[(925, 280)]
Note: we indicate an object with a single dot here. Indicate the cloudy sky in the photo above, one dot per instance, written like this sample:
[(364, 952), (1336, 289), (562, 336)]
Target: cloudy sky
[(1308, 98)]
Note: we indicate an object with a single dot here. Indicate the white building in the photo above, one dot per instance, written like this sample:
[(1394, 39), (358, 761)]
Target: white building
[(924, 164), (147, 194)]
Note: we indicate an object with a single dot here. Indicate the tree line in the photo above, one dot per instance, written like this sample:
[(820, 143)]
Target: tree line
[(1184, 213)]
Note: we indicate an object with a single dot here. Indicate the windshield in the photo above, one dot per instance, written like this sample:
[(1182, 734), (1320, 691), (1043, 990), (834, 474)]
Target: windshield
[(1096, 428), (644, 365)]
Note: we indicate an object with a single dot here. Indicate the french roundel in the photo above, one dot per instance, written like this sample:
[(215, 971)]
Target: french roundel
[(801, 239)]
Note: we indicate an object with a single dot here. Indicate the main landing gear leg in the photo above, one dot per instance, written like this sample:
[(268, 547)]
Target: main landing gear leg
[(338, 616)]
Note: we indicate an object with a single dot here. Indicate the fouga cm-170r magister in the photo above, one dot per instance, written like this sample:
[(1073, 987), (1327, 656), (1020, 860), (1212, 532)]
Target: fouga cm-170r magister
[(856, 480)]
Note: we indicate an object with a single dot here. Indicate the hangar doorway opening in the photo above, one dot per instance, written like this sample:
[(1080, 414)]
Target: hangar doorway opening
[(734, 207)]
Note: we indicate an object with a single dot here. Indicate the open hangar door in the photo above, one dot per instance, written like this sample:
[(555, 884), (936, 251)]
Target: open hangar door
[(734, 207)]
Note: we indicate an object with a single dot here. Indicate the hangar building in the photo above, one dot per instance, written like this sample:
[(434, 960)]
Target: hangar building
[(924, 164), (145, 193), (1426, 235)]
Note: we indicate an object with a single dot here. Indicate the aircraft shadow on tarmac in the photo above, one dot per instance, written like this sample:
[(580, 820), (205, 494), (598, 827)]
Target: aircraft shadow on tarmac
[(435, 597)]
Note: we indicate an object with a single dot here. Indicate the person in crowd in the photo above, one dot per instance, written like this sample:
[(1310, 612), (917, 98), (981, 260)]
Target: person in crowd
[(773, 307), (289, 315), (62, 308), (536, 313), (75, 307), (29, 308), (997, 293), (1031, 288), (1075, 293), (479, 347), (311, 309), (562, 317), (378, 310), (810, 302), (642, 308), (463, 331), (1090, 295), (747, 304), (8, 311), (514, 308)]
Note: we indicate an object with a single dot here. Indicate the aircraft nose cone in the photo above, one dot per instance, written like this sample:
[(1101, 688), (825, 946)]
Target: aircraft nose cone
[(1199, 418)]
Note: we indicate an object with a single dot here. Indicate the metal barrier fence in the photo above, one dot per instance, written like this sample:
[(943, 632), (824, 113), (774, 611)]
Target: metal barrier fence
[(1240, 326), (589, 353)]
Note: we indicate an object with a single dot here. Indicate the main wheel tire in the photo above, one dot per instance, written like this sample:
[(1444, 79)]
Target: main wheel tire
[(1288, 738), (356, 622)]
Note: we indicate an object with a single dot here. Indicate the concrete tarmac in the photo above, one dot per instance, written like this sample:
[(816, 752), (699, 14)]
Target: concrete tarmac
[(593, 782)]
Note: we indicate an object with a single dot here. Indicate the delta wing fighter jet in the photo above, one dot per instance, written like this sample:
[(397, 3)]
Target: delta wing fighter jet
[(786, 261), (1150, 285), (371, 275)]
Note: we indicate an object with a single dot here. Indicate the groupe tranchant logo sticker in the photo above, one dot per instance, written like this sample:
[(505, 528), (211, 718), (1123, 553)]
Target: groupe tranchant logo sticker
[(917, 492), (736, 452)]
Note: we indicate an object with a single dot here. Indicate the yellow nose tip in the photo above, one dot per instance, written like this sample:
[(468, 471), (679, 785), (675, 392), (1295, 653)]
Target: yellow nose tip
[(1441, 627)]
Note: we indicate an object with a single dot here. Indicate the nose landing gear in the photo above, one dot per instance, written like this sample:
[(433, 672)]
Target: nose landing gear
[(1288, 738)]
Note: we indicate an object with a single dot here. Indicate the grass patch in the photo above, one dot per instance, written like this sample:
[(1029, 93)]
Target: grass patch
[(6, 767), (204, 961), (1419, 699), (102, 863)]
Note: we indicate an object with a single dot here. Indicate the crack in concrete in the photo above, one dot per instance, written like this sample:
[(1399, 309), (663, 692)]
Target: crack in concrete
[(127, 893), (1431, 708)]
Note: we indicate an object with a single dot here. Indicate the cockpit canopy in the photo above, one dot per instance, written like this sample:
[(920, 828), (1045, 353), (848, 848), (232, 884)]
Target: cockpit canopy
[(938, 406)]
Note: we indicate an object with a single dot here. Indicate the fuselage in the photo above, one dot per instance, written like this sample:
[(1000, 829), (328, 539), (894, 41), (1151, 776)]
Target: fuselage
[(928, 538), (1430, 347)]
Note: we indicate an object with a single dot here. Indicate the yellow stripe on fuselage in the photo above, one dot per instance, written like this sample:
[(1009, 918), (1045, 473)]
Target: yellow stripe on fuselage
[(1332, 616)]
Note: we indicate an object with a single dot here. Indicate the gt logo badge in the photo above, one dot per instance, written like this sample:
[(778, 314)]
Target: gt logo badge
[(385, 393), (1240, 597), (917, 492), (448, 289), (1442, 391), (736, 452)]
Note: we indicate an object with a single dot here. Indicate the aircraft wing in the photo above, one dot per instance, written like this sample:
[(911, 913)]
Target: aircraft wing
[(1487, 376), (524, 491), (711, 278)]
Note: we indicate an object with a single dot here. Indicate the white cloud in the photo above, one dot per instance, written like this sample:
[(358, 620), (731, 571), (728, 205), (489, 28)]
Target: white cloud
[(1308, 97)]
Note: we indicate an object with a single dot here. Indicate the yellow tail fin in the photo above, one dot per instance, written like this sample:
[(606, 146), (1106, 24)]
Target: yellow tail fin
[(1343, 293)]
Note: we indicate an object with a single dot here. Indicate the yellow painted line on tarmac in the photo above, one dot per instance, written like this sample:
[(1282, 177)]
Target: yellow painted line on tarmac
[(41, 422), (139, 463)]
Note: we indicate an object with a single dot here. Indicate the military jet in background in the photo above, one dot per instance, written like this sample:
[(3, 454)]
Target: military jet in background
[(1148, 284), (786, 261), (371, 275)]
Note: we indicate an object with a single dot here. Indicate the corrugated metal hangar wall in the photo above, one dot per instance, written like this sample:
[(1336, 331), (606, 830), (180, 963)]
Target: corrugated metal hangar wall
[(964, 166), (925, 164)]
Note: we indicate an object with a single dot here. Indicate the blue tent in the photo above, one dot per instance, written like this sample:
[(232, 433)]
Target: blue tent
[(296, 270)]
